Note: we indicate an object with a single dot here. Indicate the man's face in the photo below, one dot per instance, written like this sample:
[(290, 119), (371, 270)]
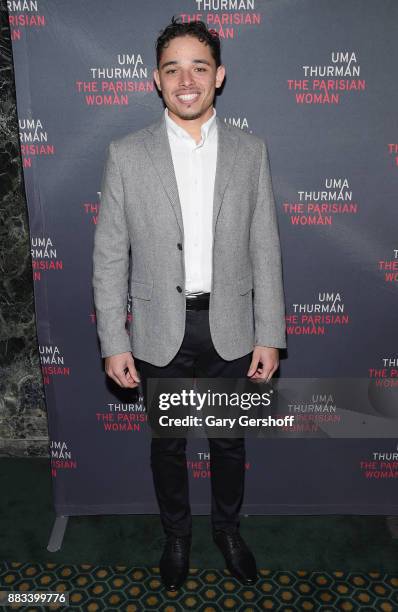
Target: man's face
[(188, 77)]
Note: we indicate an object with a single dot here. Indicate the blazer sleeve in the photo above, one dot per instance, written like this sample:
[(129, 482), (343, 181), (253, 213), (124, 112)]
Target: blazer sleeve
[(111, 262), (268, 299)]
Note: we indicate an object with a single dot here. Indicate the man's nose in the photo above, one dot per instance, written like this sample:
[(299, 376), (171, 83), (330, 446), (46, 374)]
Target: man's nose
[(186, 78)]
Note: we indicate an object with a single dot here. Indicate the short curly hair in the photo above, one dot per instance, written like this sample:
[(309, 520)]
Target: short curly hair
[(197, 29)]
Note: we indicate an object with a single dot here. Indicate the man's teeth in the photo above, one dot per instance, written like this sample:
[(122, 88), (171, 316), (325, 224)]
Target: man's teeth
[(187, 97)]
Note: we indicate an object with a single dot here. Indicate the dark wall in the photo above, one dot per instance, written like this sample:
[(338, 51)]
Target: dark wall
[(23, 422)]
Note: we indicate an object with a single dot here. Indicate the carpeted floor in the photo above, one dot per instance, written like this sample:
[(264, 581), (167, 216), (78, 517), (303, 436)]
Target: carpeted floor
[(111, 562), (133, 589)]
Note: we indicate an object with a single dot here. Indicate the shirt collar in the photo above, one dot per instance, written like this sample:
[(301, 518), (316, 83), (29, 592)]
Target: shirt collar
[(206, 129)]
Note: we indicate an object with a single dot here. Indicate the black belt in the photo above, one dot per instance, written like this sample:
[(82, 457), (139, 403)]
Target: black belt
[(198, 302)]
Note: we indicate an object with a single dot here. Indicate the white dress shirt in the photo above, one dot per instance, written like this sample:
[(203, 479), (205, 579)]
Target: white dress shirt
[(195, 170)]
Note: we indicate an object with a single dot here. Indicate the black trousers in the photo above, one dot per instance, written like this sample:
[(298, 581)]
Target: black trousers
[(197, 357)]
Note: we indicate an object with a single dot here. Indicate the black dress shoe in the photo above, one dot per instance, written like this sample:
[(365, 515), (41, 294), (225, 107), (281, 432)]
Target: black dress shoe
[(238, 556), (174, 562)]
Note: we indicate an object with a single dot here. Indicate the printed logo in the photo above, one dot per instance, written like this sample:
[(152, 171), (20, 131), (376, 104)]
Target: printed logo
[(389, 268), (238, 122), (199, 468), (380, 465), (321, 206), (52, 362), (327, 84), (114, 85), (44, 256), (61, 457), (24, 14), (309, 416), (318, 317), (91, 209), (34, 141), (226, 17), (122, 417)]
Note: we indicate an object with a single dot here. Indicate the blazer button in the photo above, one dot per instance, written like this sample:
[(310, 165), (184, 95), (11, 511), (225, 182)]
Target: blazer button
[(179, 289), (179, 245)]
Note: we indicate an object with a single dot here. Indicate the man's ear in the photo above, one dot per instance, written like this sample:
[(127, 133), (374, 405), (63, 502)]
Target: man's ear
[(157, 79), (220, 75)]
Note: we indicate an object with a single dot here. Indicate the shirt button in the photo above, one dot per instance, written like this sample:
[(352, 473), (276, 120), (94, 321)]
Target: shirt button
[(179, 289)]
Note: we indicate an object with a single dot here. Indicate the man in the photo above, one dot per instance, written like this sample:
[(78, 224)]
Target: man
[(193, 199)]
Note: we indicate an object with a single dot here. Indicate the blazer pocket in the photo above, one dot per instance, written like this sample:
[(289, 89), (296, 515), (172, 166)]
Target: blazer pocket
[(245, 284), (141, 289)]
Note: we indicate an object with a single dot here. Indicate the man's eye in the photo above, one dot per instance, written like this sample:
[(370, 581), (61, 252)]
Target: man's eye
[(201, 69), (170, 71)]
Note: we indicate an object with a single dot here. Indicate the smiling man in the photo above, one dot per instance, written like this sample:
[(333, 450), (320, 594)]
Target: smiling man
[(192, 197)]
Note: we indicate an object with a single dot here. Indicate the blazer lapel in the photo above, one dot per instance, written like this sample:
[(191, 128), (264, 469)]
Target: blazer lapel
[(227, 147), (158, 148)]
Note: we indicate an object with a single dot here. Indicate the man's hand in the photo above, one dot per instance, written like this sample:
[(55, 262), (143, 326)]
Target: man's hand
[(269, 358), (116, 366)]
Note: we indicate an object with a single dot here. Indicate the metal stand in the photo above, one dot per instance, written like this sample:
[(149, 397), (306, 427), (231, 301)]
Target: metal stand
[(57, 533)]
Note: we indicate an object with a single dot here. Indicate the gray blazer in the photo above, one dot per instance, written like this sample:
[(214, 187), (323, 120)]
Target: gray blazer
[(140, 209)]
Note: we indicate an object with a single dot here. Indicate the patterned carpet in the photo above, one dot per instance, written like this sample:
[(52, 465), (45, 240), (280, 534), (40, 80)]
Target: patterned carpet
[(132, 589)]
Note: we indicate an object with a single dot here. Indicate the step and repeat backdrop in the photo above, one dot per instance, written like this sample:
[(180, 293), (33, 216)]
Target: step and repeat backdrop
[(317, 80)]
